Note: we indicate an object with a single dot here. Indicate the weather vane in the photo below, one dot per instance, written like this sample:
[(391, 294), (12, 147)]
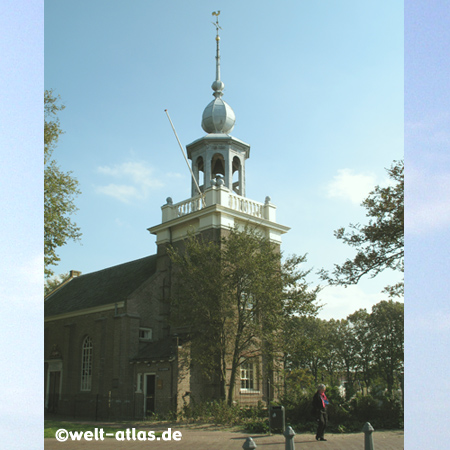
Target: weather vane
[(217, 21)]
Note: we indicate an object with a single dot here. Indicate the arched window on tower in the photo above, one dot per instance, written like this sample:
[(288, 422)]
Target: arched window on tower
[(86, 364), (200, 172), (217, 165), (237, 175)]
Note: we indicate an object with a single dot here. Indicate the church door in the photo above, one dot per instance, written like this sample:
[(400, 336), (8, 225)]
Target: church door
[(53, 393), (149, 406)]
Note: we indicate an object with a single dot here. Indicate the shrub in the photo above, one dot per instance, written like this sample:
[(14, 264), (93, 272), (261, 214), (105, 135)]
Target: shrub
[(257, 425), (381, 411), (220, 413)]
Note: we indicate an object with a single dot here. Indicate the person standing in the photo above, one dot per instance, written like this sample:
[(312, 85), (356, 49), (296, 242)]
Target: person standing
[(320, 403)]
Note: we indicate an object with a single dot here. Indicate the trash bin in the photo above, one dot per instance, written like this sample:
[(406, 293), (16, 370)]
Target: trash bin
[(276, 418)]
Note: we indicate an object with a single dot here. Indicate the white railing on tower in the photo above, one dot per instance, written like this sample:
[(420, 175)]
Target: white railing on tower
[(219, 196), (245, 205), (188, 206)]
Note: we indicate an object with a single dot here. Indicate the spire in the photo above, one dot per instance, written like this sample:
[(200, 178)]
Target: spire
[(218, 117), (217, 85)]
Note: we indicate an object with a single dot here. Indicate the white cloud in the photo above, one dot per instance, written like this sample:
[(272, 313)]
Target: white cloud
[(139, 181), (121, 192), (339, 302), (174, 175), (351, 186)]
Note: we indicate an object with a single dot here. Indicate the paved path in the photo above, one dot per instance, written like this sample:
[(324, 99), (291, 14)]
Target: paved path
[(208, 438)]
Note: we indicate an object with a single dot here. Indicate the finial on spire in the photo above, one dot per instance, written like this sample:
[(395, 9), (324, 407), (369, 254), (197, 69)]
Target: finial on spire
[(217, 85), (217, 21), (218, 117)]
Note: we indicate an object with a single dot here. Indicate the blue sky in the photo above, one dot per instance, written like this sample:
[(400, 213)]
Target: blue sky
[(21, 224), (427, 218), (315, 90)]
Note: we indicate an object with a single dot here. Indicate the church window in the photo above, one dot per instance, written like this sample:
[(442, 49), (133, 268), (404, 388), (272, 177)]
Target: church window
[(86, 364), (248, 376), (145, 334)]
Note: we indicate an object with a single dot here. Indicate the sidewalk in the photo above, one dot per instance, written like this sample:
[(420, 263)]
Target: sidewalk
[(213, 439)]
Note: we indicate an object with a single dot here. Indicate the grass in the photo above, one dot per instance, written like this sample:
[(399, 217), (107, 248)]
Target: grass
[(52, 426)]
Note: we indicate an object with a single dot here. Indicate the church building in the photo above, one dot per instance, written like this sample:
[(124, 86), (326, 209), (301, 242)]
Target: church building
[(110, 349)]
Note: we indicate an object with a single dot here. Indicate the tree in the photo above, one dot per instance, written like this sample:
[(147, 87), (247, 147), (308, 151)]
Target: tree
[(232, 296), (387, 329), (380, 243), (60, 188), (334, 339), (362, 343), (51, 283), (305, 340)]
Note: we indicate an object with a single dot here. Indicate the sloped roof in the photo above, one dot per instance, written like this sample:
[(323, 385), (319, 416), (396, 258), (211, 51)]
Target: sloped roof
[(162, 350), (103, 287)]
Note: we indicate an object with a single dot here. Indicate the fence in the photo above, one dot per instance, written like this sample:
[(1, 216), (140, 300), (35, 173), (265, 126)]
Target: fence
[(98, 407)]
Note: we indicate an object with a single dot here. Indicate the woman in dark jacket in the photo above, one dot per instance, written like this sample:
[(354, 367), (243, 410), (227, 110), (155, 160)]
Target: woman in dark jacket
[(320, 403)]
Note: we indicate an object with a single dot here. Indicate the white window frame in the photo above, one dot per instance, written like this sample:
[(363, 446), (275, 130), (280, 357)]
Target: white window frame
[(139, 383), (248, 377), (149, 331), (86, 364)]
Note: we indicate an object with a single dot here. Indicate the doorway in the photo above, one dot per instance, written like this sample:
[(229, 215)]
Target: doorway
[(53, 391), (149, 394)]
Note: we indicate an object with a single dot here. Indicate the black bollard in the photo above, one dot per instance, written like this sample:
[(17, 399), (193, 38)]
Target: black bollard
[(289, 434), (248, 444), (368, 438)]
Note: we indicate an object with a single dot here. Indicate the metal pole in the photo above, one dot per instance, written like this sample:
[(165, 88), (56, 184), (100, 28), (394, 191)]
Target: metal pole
[(268, 405), (368, 438), (289, 434), (185, 157)]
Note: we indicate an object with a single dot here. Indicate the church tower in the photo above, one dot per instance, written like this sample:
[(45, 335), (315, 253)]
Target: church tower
[(218, 155), (218, 201)]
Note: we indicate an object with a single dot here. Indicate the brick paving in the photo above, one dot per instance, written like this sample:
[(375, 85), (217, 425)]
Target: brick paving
[(210, 438)]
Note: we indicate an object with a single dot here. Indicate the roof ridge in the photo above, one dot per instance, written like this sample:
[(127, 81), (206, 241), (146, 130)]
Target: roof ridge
[(117, 265)]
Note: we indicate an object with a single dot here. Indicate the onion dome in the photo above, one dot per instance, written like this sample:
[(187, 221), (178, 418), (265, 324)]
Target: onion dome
[(218, 117)]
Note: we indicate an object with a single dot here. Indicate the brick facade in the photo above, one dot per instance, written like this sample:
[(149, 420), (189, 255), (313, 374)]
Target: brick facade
[(131, 377)]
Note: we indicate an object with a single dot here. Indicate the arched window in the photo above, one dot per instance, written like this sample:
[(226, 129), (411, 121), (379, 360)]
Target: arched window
[(217, 165), (201, 171), (86, 364), (237, 175)]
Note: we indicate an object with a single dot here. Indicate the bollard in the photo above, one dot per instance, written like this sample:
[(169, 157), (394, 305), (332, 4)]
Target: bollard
[(368, 438), (249, 444), (289, 434)]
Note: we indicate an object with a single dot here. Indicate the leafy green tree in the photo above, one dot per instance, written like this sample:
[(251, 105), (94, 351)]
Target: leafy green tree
[(305, 341), (387, 329), (362, 346), (298, 382), (344, 346), (52, 283), (333, 341), (232, 297), (380, 243), (60, 189)]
